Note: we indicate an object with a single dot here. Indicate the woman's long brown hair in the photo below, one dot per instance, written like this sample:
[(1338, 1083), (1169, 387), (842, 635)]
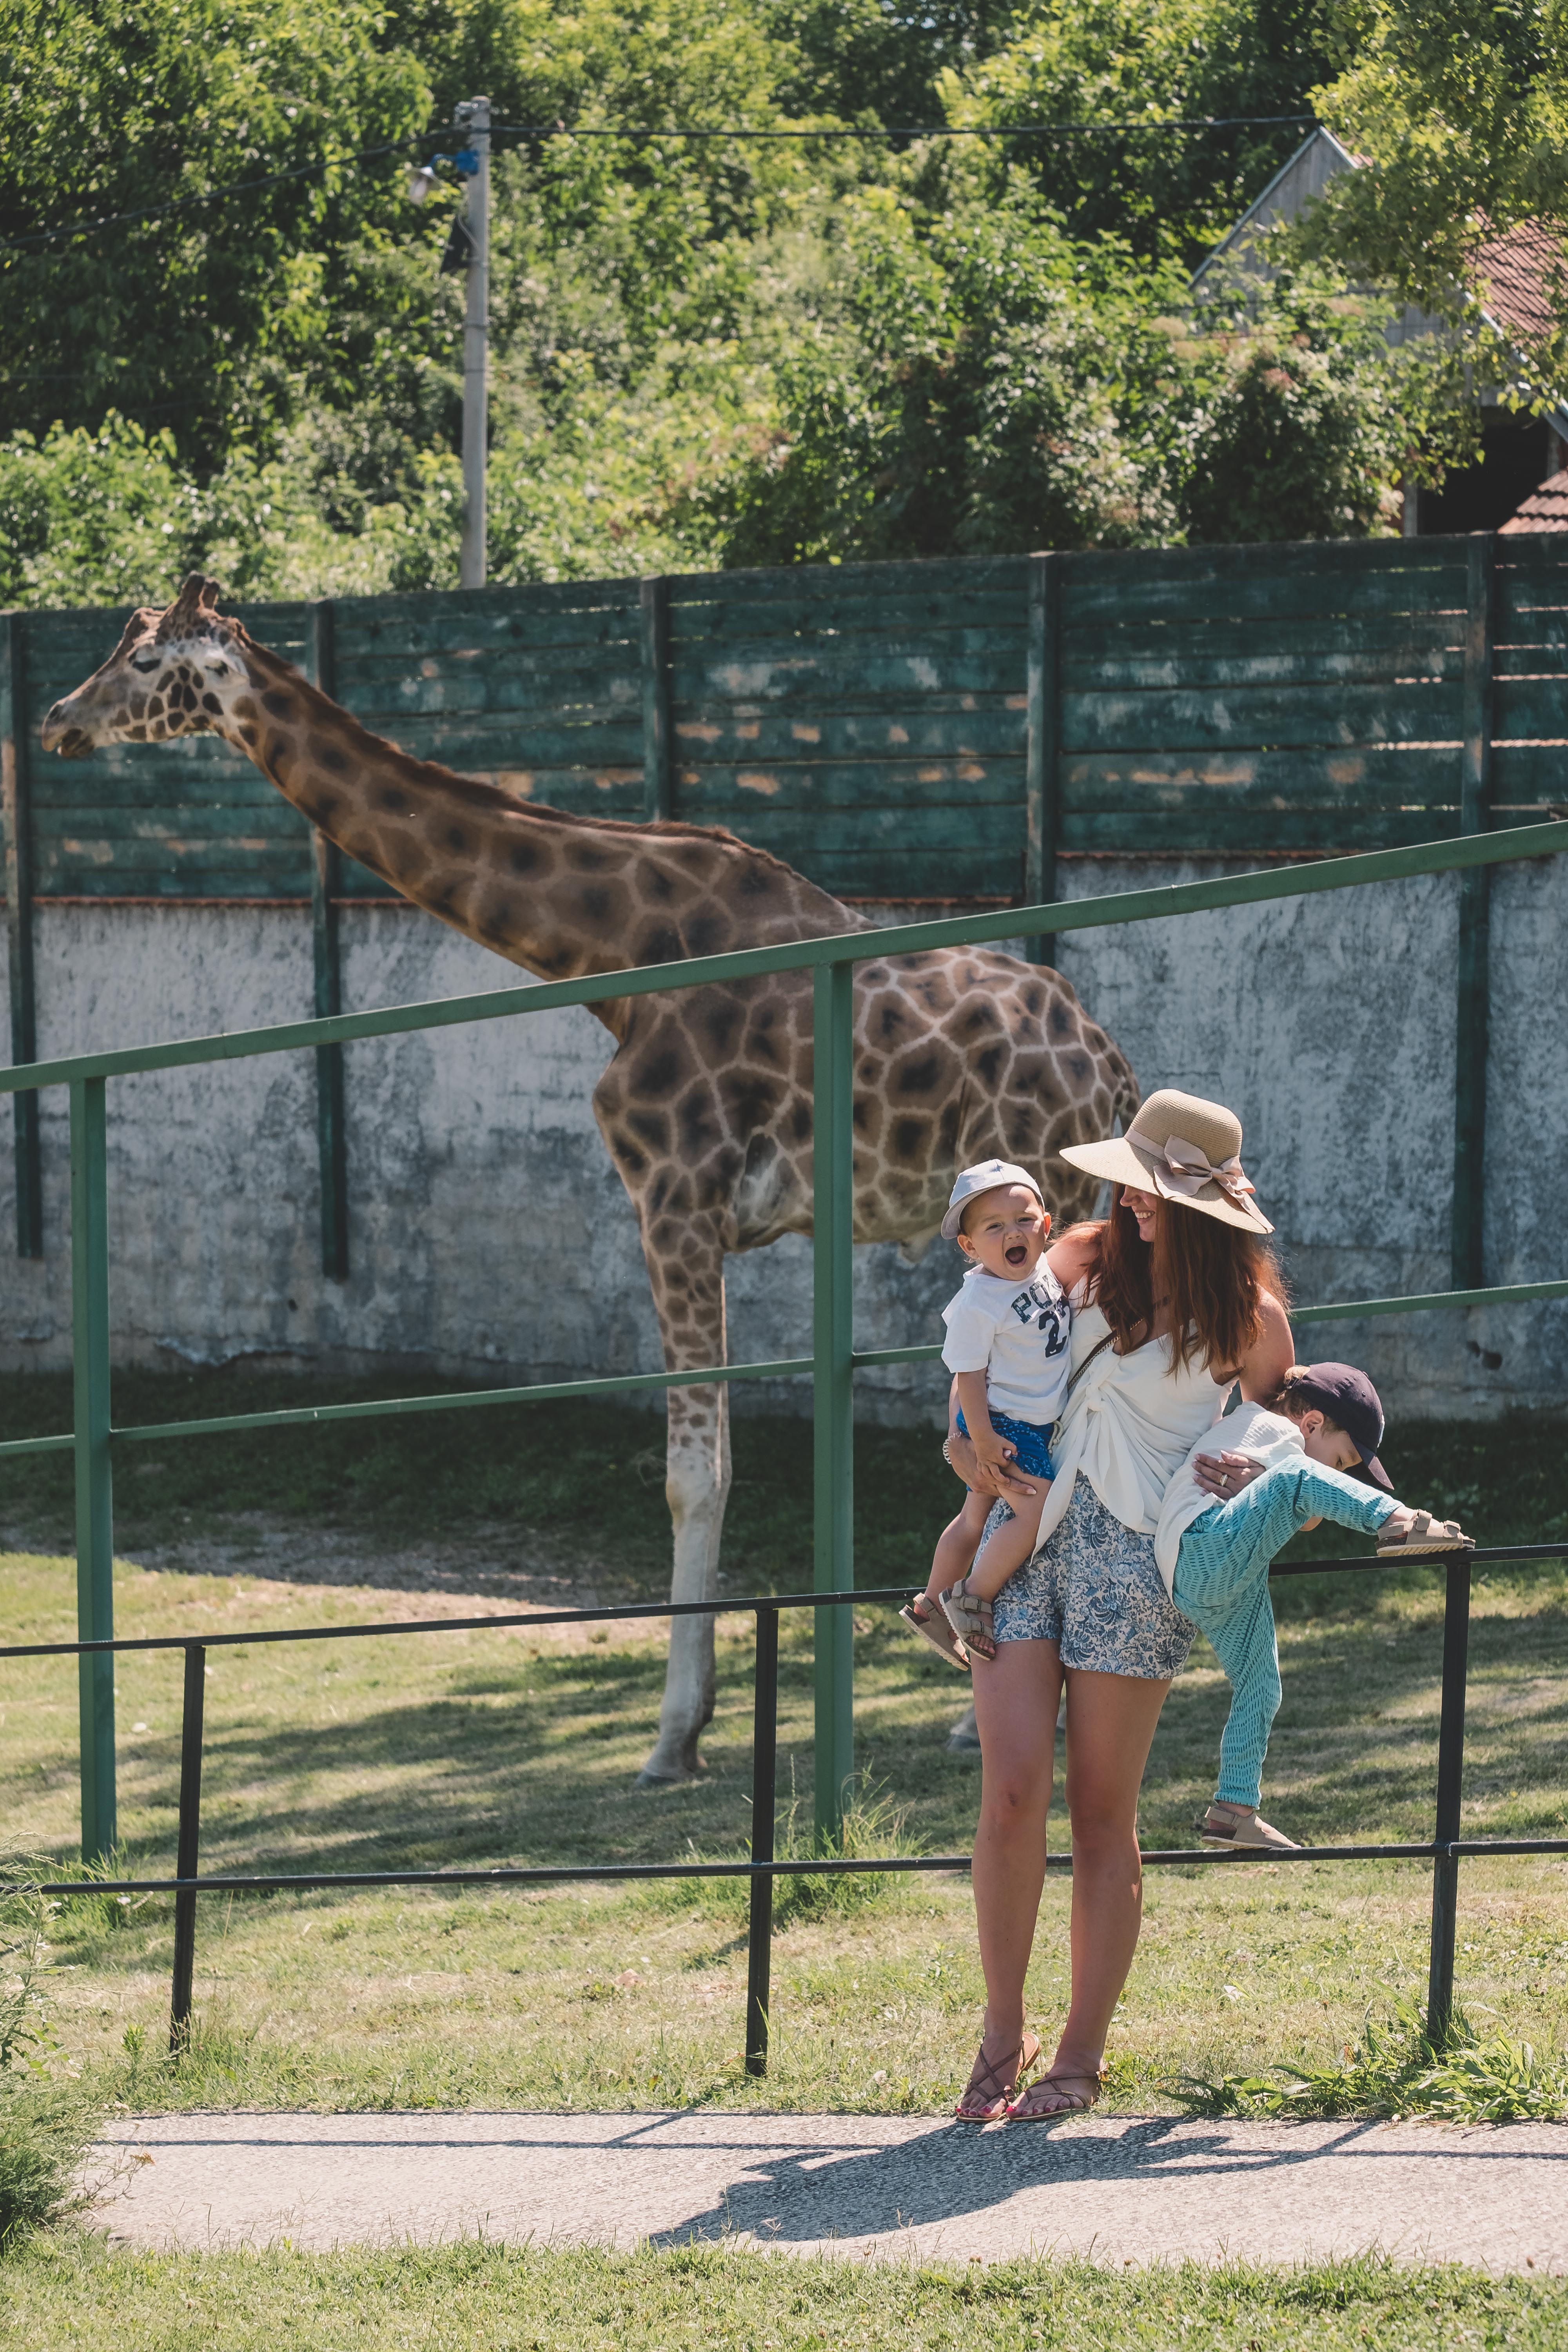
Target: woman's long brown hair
[(1214, 1276)]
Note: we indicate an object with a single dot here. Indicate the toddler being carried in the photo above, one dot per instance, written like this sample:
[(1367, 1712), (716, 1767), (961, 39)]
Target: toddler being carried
[(1007, 1348)]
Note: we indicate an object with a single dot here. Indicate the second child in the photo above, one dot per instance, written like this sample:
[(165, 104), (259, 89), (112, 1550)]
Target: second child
[(1285, 1467)]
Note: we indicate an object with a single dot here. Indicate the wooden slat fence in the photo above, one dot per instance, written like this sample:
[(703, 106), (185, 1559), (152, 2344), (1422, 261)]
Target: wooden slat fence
[(936, 731)]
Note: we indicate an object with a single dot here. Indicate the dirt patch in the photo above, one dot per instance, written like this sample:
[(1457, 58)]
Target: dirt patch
[(499, 1562)]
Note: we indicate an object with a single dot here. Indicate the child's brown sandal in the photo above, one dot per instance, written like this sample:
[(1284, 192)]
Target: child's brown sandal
[(1424, 1537), (971, 1619), (933, 1627)]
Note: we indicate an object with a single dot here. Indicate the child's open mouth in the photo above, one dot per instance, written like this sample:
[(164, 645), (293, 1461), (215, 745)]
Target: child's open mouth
[(1017, 1254)]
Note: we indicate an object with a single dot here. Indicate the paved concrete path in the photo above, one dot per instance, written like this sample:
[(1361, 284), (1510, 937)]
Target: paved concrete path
[(1124, 2189)]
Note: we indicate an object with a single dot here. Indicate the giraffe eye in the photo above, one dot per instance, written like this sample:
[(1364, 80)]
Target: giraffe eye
[(149, 663)]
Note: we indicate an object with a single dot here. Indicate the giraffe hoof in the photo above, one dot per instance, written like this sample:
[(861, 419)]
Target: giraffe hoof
[(655, 1774)]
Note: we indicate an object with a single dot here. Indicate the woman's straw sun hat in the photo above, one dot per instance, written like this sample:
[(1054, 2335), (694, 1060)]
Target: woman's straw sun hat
[(1182, 1149)]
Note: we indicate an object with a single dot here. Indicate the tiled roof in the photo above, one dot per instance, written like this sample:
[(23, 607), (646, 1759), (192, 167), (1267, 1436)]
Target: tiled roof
[(1516, 271), (1545, 508)]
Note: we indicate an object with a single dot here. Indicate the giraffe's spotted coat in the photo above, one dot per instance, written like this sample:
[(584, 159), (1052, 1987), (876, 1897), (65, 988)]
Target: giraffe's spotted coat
[(959, 1055)]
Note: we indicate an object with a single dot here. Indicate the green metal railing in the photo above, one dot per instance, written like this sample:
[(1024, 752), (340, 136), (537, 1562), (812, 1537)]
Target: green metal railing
[(95, 1441)]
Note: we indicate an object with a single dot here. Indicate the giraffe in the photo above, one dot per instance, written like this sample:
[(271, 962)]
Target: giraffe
[(705, 1106)]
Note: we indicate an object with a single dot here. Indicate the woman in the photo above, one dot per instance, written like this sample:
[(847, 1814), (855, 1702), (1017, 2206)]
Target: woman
[(1176, 1296)]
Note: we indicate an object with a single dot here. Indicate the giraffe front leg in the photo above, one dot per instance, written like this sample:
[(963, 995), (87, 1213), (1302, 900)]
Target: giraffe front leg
[(697, 1485), (689, 1292)]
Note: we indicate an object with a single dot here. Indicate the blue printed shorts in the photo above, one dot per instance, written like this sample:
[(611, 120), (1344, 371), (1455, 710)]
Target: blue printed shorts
[(1093, 1588), (1030, 1441)]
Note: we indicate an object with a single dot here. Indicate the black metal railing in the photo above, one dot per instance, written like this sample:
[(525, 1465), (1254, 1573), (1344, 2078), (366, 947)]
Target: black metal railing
[(1443, 1849)]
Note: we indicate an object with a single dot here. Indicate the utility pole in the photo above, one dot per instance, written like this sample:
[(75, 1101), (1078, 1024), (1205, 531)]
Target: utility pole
[(474, 116)]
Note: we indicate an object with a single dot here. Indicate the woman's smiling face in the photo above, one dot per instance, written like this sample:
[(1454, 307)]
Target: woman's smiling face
[(1145, 1207)]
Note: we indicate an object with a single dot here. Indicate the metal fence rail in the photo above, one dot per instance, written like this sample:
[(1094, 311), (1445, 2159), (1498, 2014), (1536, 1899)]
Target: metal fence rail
[(1443, 1849), (94, 1439)]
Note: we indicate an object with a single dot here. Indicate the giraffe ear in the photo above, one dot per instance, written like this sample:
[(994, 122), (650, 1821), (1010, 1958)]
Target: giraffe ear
[(135, 629), (196, 602)]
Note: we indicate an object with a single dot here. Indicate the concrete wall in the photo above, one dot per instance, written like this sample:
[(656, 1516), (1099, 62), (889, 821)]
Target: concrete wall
[(490, 1240)]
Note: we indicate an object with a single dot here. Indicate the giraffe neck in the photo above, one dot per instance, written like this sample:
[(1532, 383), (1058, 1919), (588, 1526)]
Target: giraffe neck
[(563, 897)]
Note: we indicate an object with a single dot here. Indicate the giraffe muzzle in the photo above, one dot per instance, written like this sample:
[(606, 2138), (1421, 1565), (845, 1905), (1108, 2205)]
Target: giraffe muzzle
[(60, 733)]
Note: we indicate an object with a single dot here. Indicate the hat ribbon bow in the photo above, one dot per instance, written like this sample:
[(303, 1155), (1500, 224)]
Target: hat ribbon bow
[(1187, 1169)]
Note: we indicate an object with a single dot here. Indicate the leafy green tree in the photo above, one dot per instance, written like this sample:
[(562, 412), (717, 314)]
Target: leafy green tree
[(1460, 116), (704, 351), (199, 320), (1169, 193)]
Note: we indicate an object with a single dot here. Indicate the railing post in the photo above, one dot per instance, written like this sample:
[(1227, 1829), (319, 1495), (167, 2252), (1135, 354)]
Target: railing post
[(833, 1404), (1450, 1781), (658, 791), (189, 1853), (326, 889), (94, 1491), (1467, 1228), (1043, 729), (16, 792), (765, 1775)]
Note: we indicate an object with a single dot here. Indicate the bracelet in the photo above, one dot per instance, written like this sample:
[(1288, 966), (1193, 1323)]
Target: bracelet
[(947, 1451)]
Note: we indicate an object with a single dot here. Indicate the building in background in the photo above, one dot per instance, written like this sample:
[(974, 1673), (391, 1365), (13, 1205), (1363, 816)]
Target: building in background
[(1520, 454)]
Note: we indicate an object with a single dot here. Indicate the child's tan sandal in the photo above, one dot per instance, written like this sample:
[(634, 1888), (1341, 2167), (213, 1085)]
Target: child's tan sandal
[(1425, 1536), (989, 2083), (1234, 1825), (933, 1627), (1068, 2102), (971, 1619)]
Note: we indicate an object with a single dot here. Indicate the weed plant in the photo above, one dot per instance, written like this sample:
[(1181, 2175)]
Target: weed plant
[(46, 2120), (1397, 2069)]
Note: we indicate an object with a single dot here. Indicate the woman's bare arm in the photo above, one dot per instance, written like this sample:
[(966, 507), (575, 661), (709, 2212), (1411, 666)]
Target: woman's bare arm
[(1271, 1355), (1074, 1256)]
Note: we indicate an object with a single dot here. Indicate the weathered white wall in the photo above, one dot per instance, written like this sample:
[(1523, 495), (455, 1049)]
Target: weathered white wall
[(489, 1238)]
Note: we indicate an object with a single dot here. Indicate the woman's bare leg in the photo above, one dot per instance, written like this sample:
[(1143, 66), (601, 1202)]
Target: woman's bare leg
[(1110, 1726), (1016, 1713)]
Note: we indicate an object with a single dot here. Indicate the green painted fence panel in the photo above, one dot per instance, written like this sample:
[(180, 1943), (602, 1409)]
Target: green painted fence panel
[(912, 730), (869, 721), (722, 794)]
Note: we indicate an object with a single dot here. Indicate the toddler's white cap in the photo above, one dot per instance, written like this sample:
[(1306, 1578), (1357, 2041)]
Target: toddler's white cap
[(983, 1177)]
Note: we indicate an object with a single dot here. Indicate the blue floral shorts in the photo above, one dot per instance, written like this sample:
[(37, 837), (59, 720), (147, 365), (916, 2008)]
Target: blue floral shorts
[(1093, 1588), (1030, 1441)]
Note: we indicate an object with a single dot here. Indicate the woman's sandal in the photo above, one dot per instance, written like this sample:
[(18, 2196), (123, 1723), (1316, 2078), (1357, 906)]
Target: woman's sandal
[(970, 1618), (998, 2099), (934, 1627), (1071, 2104), (1424, 1535)]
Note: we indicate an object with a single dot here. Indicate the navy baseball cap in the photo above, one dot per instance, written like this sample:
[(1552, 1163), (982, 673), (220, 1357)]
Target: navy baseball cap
[(1349, 1397)]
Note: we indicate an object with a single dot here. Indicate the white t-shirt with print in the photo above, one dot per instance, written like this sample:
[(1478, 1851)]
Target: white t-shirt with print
[(1267, 1437), (1016, 1334)]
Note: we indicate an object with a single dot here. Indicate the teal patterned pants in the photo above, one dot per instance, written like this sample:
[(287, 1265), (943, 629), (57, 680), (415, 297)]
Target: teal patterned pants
[(1222, 1583)]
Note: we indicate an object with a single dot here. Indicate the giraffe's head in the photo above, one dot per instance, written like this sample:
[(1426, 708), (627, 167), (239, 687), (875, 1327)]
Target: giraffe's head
[(172, 673)]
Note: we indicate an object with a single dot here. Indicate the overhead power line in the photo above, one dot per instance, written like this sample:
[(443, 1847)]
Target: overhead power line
[(1115, 128), (1140, 126)]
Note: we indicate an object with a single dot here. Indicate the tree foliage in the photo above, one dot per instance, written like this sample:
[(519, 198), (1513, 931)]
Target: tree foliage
[(704, 350), (1460, 112)]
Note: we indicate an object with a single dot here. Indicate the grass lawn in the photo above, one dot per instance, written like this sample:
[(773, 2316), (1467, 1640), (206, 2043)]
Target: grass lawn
[(521, 1746), (59, 2296)]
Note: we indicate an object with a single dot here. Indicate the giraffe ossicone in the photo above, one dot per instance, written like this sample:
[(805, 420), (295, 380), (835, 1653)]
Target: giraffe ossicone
[(705, 1107)]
